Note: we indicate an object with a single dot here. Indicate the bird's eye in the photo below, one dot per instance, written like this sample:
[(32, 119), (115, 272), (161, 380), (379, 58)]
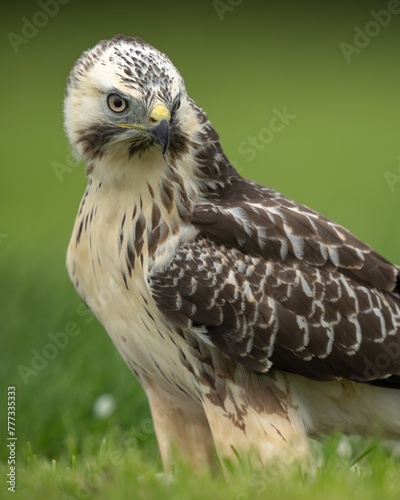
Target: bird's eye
[(116, 103), (176, 105)]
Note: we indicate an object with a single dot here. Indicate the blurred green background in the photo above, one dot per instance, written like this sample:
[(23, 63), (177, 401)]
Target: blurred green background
[(240, 63)]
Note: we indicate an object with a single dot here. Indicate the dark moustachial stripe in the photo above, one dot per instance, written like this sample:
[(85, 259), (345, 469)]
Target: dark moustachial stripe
[(95, 139)]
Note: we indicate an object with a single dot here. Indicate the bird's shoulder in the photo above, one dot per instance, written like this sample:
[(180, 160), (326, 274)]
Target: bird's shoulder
[(261, 221)]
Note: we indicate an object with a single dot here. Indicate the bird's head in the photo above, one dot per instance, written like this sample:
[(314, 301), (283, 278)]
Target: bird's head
[(125, 99), (127, 115)]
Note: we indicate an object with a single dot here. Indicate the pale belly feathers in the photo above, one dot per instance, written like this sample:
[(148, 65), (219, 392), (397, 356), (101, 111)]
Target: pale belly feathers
[(123, 303)]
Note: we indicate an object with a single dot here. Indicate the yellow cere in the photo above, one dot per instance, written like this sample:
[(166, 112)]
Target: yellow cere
[(159, 112)]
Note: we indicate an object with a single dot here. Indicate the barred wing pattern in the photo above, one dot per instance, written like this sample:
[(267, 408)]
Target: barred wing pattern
[(271, 283), (262, 221)]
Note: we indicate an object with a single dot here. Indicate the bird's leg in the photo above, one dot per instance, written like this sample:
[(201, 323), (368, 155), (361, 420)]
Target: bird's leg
[(258, 423), (182, 430)]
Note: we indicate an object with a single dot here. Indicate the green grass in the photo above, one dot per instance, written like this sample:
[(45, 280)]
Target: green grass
[(115, 468), (334, 156)]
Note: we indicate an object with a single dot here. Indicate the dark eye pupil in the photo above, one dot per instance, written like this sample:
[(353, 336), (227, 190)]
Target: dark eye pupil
[(116, 103)]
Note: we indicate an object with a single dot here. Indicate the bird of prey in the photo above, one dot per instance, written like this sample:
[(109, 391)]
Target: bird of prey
[(252, 322)]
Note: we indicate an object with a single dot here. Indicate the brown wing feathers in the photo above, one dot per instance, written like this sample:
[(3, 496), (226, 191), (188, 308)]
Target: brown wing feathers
[(271, 282), (261, 221), (315, 322)]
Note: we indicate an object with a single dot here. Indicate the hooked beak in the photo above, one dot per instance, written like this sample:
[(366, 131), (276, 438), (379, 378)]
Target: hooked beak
[(161, 134), (161, 116)]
